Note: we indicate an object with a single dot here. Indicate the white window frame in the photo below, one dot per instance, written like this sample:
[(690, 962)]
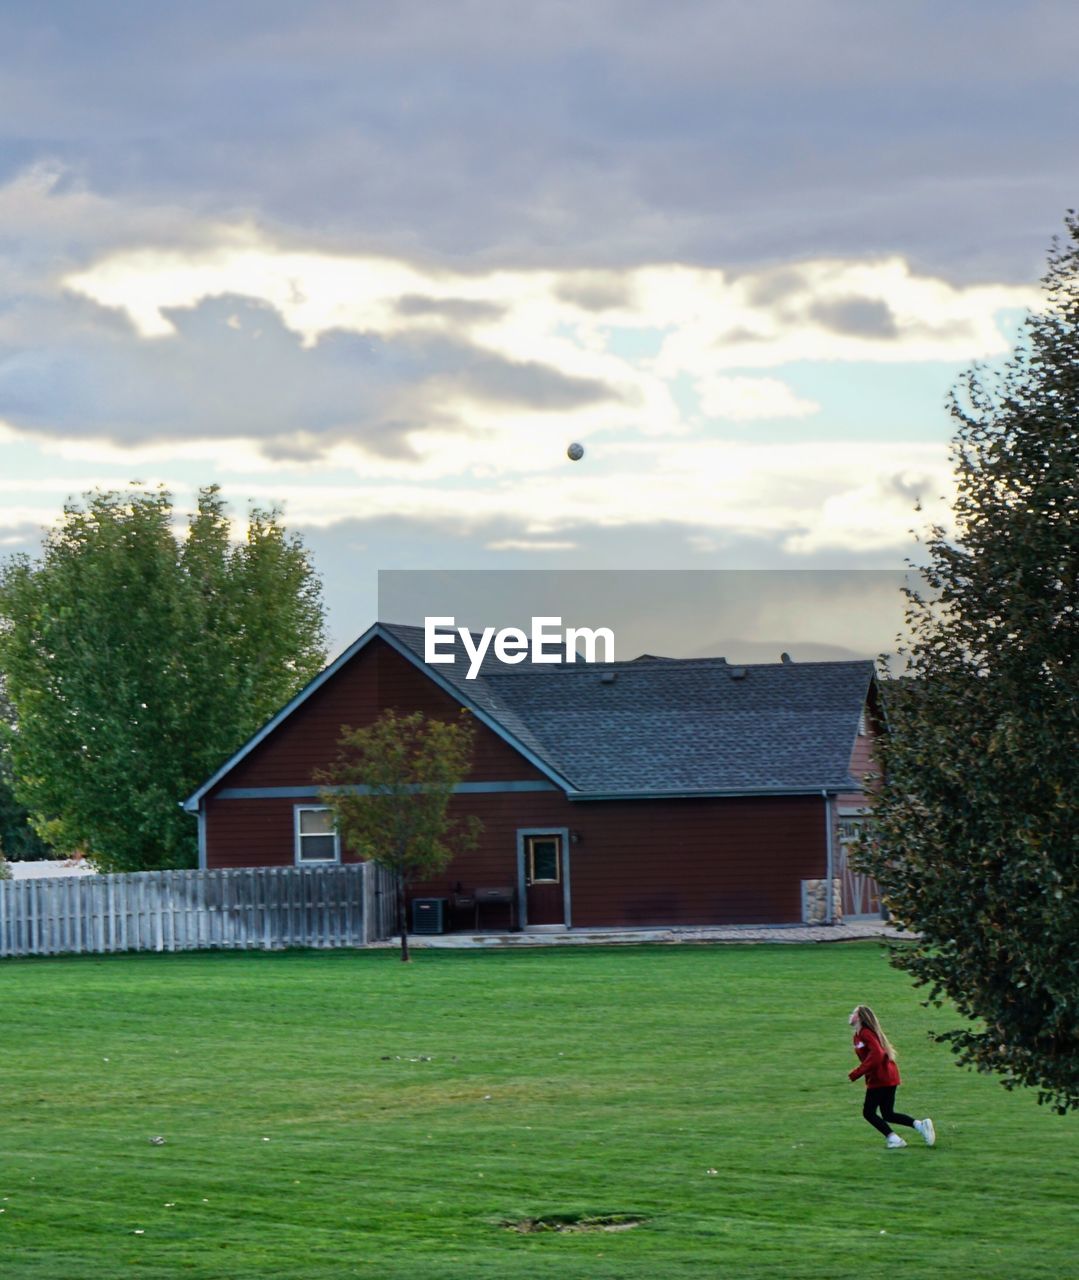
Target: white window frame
[(297, 836)]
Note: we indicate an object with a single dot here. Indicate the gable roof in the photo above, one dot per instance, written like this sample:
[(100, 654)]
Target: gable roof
[(677, 726), (648, 727)]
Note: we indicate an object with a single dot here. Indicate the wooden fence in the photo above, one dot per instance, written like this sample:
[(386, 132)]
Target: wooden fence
[(261, 908)]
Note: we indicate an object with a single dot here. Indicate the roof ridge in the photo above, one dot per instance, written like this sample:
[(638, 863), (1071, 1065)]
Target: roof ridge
[(583, 667), (700, 660)]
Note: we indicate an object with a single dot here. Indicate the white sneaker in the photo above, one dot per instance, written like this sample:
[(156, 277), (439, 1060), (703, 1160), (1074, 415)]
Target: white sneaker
[(894, 1141), (925, 1128)]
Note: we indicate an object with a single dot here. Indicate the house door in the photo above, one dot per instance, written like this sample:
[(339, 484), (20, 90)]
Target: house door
[(544, 876)]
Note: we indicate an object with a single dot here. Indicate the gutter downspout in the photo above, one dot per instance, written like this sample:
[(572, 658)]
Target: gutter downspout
[(829, 836), (200, 814)]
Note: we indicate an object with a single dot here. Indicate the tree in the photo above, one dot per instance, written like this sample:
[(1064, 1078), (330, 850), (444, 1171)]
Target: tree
[(19, 842), (137, 661), (976, 843), (390, 790)]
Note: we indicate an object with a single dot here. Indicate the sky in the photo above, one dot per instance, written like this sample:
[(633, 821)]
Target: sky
[(380, 264)]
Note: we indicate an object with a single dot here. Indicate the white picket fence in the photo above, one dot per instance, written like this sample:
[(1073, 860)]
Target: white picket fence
[(258, 908)]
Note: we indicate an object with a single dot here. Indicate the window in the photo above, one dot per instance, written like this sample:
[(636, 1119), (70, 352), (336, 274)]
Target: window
[(850, 829), (316, 837), (543, 859)]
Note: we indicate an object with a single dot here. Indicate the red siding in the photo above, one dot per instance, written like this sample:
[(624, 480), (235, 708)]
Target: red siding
[(686, 862), (252, 833), (648, 862), (863, 757), (377, 678), (737, 861), (676, 862)]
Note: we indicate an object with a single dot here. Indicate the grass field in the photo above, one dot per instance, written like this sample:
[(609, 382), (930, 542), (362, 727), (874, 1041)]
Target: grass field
[(340, 1114)]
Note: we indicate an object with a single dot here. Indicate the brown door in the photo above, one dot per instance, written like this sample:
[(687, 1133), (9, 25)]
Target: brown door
[(544, 887)]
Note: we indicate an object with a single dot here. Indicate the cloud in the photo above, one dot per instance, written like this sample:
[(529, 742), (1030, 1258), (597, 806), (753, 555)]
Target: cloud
[(389, 348), (531, 544), (876, 513), (52, 221), (460, 311), (861, 317), (526, 383), (825, 310), (230, 367), (476, 131), (393, 258), (21, 526), (596, 290), (803, 500), (746, 399), (822, 308)]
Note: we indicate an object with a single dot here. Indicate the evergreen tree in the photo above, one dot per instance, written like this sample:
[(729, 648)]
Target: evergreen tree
[(976, 837)]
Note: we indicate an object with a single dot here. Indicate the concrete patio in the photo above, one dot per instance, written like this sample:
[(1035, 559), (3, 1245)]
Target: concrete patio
[(553, 936)]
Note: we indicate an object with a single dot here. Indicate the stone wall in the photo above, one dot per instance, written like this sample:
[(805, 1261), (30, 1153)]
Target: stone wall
[(815, 901)]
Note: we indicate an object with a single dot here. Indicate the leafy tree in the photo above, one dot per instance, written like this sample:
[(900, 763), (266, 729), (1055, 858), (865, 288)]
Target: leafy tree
[(19, 842), (390, 789), (976, 841), (137, 660)]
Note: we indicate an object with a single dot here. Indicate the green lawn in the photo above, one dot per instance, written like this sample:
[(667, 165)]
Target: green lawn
[(342, 1114)]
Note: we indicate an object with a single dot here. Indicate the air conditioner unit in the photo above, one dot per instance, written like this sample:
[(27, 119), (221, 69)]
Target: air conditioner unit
[(428, 915)]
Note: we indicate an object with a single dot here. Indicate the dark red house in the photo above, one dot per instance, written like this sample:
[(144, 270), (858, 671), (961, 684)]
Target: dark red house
[(655, 792)]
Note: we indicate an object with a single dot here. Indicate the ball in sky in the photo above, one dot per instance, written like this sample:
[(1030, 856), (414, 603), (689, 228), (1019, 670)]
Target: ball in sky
[(575, 452)]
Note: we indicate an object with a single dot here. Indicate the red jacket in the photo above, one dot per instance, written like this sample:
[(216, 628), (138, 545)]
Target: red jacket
[(880, 1072)]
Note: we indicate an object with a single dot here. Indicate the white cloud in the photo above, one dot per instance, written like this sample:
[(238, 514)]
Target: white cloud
[(807, 497), (850, 497), (739, 399), (21, 515), (649, 335), (701, 320), (530, 544), (823, 309)]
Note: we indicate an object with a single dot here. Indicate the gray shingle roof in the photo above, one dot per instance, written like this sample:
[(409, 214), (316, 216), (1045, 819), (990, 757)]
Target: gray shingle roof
[(672, 725)]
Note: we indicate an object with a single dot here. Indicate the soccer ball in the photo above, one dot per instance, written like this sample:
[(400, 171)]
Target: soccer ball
[(575, 452)]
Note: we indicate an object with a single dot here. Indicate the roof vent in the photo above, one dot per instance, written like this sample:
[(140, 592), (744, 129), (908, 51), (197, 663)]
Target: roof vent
[(608, 677), (785, 658), (737, 673)]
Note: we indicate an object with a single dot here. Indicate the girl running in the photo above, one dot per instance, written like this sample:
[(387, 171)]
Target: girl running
[(877, 1063)]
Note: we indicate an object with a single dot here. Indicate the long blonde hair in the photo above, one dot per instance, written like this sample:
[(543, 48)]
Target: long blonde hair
[(869, 1019)]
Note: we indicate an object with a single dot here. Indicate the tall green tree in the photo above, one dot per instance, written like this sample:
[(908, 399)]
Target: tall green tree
[(390, 790), (137, 660), (977, 840)]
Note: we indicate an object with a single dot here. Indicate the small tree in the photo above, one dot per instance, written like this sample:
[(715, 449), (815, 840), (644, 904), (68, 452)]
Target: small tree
[(976, 843), (390, 789)]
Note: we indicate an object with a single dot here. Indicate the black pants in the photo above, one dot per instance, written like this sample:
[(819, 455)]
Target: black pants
[(883, 1100)]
